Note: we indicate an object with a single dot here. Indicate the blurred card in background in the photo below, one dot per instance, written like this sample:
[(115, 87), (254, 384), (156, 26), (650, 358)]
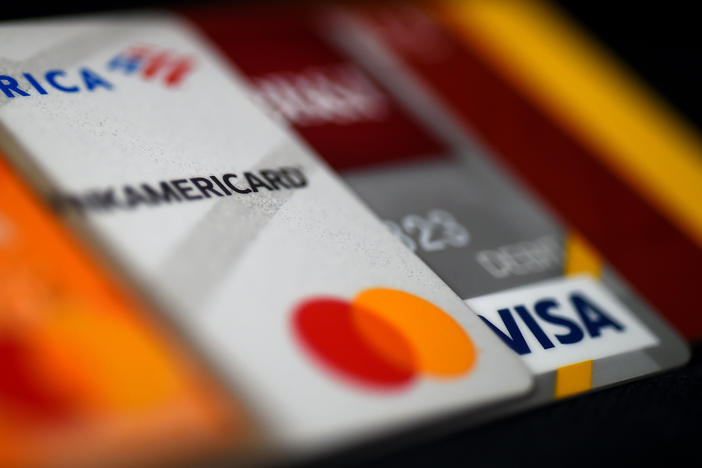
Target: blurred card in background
[(87, 377)]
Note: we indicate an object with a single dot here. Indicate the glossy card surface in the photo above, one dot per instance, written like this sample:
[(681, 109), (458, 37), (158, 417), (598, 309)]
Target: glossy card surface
[(292, 288)]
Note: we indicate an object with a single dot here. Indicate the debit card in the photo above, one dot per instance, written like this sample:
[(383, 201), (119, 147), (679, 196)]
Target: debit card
[(553, 105), (540, 286)]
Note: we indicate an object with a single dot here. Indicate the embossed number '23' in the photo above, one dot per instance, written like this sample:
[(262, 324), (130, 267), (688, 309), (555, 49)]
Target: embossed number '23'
[(438, 230)]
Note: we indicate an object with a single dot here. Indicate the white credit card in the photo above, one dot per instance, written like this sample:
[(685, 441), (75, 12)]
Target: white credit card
[(289, 285)]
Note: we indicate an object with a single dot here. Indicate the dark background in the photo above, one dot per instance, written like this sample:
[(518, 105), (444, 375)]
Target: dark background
[(656, 420)]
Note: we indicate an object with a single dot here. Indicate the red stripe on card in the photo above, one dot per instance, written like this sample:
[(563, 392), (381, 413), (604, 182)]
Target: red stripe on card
[(655, 257)]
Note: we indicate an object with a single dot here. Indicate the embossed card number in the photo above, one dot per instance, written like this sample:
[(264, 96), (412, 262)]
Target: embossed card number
[(436, 231)]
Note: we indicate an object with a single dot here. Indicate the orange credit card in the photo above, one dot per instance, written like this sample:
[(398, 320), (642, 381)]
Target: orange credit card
[(87, 376)]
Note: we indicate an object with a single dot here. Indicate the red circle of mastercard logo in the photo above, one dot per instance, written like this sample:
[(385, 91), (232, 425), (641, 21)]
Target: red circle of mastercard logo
[(384, 338)]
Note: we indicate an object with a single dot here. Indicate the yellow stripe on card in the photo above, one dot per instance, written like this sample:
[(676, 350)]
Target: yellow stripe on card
[(630, 129), (573, 379), (581, 257)]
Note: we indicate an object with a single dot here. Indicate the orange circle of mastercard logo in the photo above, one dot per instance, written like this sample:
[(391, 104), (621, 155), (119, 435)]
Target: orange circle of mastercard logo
[(384, 338)]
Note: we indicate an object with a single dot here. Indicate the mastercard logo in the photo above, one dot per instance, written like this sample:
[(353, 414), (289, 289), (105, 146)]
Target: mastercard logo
[(383, 338)]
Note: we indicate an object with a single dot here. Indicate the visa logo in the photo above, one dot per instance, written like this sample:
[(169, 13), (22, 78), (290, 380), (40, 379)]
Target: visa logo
[(593, 320), (28, 84), (562, 321)]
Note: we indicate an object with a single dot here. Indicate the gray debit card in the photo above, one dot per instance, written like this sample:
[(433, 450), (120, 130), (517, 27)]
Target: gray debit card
[(538, 285)]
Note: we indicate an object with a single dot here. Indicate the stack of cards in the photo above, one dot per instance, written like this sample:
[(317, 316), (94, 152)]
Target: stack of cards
[(606, 153), (423, 285), (293, 291), (537, 285), (557, 326)]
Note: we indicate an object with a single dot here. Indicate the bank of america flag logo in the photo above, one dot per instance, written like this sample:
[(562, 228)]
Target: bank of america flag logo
[(152, 63)]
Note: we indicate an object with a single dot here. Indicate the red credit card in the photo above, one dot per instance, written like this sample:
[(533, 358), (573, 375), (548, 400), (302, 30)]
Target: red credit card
[(334, 105)]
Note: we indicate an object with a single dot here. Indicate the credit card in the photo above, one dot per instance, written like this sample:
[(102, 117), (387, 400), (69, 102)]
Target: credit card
[(87, 378), (486, 73), (540, 287), (291, 288)]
